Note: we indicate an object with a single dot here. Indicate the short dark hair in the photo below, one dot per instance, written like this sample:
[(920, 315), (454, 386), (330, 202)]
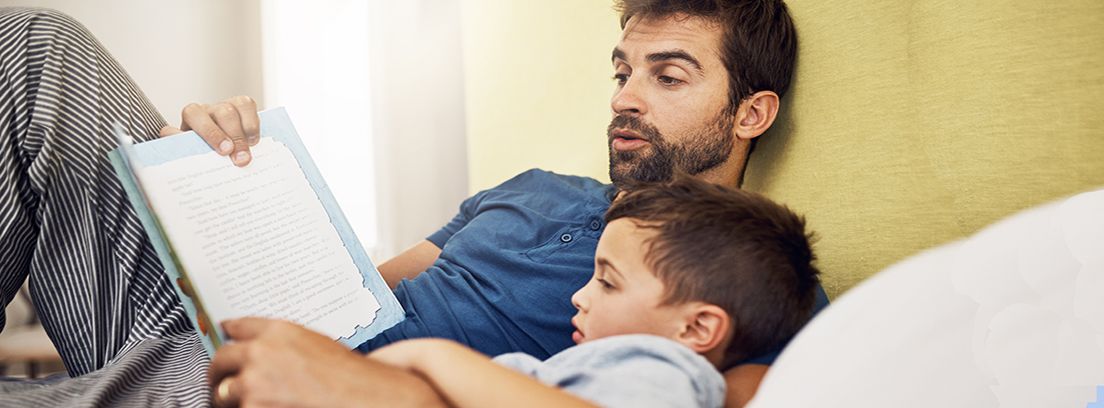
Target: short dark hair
[(759, 43), (731, 248)]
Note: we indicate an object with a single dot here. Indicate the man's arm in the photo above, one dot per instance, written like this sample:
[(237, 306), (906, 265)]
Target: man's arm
[(278, 363), (409, 263), (466, 378), (742, 381)]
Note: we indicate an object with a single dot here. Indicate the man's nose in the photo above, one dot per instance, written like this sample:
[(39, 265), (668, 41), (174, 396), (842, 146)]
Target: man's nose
[(627, 100)]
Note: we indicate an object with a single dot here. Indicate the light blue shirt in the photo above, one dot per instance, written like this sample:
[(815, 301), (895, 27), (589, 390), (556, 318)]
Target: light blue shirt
[(636, 370)]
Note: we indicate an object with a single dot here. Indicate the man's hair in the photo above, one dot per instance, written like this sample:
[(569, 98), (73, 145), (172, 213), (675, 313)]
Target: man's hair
[(758, 45), (731, 248)]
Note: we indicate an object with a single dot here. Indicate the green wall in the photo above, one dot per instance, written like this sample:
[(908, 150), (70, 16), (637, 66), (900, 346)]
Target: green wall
[(910, 124), (913, 123), (538, 84)]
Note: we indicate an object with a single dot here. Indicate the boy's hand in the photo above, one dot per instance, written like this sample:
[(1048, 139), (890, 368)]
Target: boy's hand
[(408, 354), (278, 363), (229, 127)]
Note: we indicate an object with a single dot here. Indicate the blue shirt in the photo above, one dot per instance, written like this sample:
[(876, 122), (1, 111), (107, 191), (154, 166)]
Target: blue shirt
[(510, 261), (634, 370)]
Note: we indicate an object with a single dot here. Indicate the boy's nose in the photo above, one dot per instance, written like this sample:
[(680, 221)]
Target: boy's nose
[(577, 298)]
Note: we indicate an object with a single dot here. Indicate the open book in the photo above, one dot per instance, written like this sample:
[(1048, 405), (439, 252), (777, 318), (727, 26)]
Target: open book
[(265, 240)]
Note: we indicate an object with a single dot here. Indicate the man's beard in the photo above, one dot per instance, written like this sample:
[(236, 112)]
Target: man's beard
[(700, 151)]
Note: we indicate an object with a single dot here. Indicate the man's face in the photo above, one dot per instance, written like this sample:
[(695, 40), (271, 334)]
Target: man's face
[(670, 110), (624, 296)]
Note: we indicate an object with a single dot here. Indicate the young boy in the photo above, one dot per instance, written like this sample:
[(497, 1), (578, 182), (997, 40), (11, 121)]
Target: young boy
[(689, 278)]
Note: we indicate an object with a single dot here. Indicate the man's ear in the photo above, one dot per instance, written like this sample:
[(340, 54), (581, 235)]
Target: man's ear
[(756, 114), (705, 328)]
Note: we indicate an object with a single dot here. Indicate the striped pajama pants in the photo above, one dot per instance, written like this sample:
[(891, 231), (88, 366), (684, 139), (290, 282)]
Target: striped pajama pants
[(67, 228)]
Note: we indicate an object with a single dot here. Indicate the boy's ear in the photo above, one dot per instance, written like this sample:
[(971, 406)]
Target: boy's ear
[(705, 328), (756, 114)]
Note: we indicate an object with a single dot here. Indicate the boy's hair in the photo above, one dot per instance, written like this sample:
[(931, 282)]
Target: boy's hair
[(731, 248), (758, 46)]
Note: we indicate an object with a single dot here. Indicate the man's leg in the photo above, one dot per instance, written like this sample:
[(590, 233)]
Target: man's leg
[(65, 222), (165, 372)]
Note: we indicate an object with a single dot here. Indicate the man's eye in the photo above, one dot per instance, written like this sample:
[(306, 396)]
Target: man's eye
[(621, 78), (666, 80)]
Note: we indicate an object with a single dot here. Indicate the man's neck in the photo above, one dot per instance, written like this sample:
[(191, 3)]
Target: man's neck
[(728, 176), (730, 181)]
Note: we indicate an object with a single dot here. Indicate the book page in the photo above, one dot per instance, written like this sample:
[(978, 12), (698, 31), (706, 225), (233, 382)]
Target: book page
[(256, 241)]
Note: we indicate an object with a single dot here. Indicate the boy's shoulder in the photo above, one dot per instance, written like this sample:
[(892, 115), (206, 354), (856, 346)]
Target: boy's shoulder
[(620, 369), (615, 349)]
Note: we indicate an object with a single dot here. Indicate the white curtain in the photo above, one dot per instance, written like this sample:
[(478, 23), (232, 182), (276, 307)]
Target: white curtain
[(375, 89)]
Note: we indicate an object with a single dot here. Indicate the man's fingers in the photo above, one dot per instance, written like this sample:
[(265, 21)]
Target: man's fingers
[(246, 328), (227, 392), (228, 361), (227, 118), (195, 117), (229, 127), (250, 121), (168, 131)]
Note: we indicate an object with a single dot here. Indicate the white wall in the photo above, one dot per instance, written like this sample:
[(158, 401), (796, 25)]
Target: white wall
[(181, 51), (418, 91), (177, 51)]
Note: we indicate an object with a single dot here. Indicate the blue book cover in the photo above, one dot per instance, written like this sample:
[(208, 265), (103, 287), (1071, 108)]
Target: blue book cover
[(286, 272)]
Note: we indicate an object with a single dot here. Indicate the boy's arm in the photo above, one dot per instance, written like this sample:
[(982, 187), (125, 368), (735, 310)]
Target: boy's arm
[(409, 263), (742, 381), (468, 379)]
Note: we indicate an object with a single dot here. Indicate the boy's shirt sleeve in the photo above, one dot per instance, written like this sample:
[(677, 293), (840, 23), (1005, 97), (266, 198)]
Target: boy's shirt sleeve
[(626, 371)]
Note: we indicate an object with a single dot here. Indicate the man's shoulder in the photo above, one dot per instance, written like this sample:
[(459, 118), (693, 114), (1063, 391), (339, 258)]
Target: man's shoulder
[(544, 182), (541, 178)]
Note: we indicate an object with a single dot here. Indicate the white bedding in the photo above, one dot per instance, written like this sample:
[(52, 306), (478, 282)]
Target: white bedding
[(1011, 317)]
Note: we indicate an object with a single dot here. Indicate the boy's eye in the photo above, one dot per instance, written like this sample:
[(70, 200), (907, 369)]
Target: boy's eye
[(621, 78), (605, 284)]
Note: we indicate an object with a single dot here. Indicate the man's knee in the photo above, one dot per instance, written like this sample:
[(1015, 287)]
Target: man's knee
[(39, 19)]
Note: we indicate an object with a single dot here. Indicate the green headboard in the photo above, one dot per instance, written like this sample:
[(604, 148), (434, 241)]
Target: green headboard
[(913, 123)]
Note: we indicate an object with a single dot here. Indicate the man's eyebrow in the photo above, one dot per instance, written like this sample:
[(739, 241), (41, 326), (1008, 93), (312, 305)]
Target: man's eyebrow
[(661, 56), (617, 54), (676, 55)]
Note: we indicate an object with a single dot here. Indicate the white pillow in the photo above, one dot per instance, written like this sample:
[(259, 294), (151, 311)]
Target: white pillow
[(1011, 317)]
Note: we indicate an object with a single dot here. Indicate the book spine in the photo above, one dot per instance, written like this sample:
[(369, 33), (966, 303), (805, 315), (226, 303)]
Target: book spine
[(208, 333)]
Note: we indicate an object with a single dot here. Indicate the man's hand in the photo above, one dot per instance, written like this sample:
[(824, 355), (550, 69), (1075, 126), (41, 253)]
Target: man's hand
[(229, 127), (278, 363), (743, 381)]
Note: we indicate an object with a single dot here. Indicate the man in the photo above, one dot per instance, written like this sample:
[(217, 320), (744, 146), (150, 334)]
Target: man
[(697, 82)]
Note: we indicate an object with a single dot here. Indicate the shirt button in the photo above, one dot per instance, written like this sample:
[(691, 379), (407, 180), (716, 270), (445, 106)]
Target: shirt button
[(565, 238), (595, 225)]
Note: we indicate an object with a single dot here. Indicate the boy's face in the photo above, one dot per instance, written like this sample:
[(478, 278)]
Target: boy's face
[(624, 296)]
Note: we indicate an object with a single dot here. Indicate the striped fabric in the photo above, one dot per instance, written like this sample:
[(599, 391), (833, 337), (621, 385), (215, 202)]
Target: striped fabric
[(66, 225), (165, 372)]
